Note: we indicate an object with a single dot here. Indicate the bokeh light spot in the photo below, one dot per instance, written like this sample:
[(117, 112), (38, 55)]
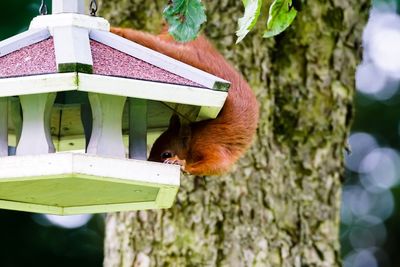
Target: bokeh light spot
[(72, 221)]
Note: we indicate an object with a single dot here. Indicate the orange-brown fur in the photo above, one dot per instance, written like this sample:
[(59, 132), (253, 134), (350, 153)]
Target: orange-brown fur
[(209, 147)]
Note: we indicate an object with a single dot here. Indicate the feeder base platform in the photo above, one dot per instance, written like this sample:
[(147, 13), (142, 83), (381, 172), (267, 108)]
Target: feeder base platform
[(71, 183)]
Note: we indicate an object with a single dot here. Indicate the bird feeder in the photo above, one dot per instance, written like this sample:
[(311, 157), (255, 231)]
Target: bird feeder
[(79, 106)]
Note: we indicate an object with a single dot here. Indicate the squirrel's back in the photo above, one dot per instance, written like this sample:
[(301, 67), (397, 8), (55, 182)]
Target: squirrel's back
[(213, 145)]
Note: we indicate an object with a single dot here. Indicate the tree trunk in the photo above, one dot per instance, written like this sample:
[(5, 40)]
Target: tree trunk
[(280, 205)]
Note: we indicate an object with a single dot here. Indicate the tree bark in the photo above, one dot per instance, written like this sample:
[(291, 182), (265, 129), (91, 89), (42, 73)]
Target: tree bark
[(280, 204)]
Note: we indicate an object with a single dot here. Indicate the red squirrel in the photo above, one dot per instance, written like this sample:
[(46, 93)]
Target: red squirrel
[(208, 147)]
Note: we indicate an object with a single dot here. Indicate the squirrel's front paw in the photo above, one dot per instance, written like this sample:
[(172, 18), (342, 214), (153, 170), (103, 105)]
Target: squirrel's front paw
[(176, 161)]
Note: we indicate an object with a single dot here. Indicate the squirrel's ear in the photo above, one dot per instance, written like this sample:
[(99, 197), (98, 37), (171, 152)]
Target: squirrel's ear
[(174, 123), (185, 134)]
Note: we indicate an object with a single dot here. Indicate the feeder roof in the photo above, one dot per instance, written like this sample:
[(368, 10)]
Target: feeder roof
[(40, 58), (65, 52)]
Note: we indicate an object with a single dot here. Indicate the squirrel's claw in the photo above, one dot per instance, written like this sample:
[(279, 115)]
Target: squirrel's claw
[(176, 161)]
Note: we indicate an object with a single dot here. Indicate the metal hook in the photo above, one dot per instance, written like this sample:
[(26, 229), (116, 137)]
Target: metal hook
[(43, 8), (93, 7)]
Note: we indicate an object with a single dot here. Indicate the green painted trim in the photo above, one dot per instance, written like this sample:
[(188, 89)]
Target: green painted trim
[(76, 192), (110, 208), (20, 206), (221, 86), (75, 67), (166, 196)]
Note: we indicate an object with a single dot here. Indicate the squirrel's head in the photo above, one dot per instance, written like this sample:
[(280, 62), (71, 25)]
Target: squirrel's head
[(173, 142)]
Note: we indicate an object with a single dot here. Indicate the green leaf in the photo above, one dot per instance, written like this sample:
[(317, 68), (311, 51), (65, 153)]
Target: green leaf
[(281, 15), (184, 18), (249, 19)]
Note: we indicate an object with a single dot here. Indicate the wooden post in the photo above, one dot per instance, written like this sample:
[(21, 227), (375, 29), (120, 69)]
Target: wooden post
[(72, 49), (68, 6), (106, 138), (16, 117), (3, 126), (138, 128), (36, 136), (87, 122)]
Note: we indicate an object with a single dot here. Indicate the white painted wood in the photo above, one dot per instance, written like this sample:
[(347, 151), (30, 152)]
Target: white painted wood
[(128, 171), (72, 45), (37, 84), (157, 59), (106, 139), (152, 90), (31, 167), (36, 136), (69, 19), (21, 40), (3, 126), (138, 128), (68, 6), (210, 99), (87, 167)]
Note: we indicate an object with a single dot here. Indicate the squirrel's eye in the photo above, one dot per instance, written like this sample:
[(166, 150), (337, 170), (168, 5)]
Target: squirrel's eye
[(167, 155)]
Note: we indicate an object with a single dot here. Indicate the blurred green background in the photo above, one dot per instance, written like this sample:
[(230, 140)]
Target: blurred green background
[(16, 16), (370, 226)]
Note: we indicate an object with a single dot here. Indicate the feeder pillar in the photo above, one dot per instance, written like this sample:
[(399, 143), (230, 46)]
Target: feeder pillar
[(14, 107), (87, 121), (106, 138), (3, 126), (36, 136), (68, 6), (138, 128)]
